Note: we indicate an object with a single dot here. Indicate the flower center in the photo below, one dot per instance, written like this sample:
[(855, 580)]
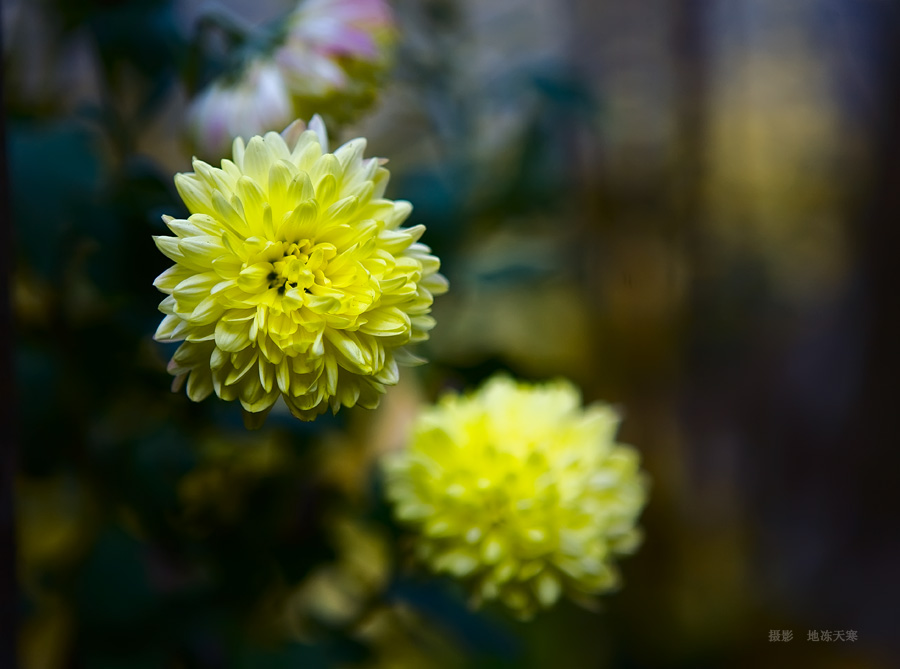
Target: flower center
[(302, 265)]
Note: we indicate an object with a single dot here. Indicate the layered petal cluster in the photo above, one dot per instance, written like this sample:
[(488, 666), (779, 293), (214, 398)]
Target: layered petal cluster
[(519, 491), (293, 277), (329, 61)]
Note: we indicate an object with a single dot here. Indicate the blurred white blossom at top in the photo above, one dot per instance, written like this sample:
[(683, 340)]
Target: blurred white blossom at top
[(328, 62), (224, 110)]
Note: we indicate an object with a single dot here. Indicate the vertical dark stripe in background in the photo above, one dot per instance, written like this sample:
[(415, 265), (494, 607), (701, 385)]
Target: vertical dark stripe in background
[(8, 598), (875, 430)]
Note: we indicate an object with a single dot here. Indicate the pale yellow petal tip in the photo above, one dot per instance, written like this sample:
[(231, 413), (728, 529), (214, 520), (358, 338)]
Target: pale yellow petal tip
[(317, 125), (292, 133), (526, 454), (255, 420)]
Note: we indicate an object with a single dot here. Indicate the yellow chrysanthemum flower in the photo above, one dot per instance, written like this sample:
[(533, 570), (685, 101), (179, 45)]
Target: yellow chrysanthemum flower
[(521, 492), (293, 277)]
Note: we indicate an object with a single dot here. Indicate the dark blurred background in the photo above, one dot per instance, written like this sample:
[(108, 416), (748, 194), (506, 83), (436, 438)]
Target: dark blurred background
[(688, 207)]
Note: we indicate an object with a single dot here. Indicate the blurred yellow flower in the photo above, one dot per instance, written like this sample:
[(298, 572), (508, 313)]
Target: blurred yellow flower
[(293, 277), (521, 492)]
